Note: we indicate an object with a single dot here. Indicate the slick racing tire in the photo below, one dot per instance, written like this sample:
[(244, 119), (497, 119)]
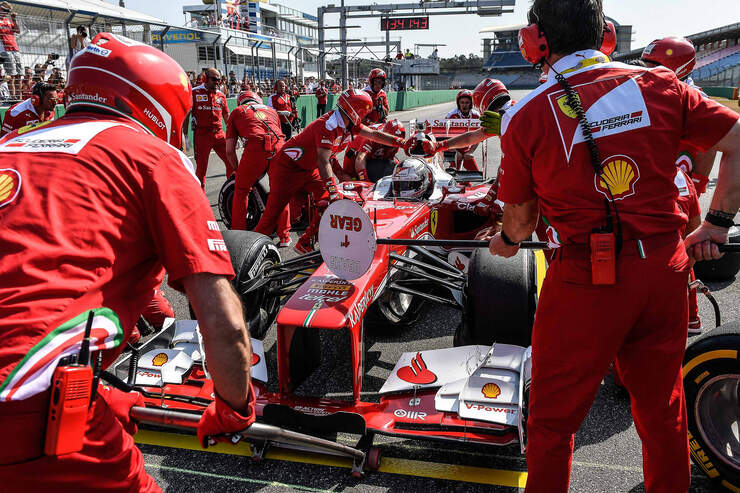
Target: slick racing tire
[(257, 202), (500, 300), (722, 269), (251, 253), (711, 379)]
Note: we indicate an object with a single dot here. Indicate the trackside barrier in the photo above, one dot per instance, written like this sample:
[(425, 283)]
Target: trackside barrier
[(306, 104), (720, 92)]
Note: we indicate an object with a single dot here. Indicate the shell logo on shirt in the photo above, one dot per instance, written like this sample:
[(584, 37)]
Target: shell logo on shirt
[(620, 174), (566, 108), (491, 390), (10, 186), (201, 98)]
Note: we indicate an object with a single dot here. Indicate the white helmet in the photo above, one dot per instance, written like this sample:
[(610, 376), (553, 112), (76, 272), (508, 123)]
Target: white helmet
[(413, 179)]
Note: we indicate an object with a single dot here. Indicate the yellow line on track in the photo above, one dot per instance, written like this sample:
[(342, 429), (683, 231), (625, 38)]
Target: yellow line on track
[(388, 465)]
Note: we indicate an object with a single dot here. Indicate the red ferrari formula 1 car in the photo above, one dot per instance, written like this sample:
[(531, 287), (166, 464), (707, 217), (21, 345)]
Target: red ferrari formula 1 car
[(474, 392)]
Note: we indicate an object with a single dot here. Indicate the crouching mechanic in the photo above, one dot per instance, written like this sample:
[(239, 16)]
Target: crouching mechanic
[(370, 161), (304, 162), (610, 193), (89, 220), (259, 126), (209, 108), (464, 155), (38, 108)]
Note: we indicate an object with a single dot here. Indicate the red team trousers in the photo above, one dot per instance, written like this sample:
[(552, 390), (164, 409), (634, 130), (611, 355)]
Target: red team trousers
[(580, 329), (253, 163), (108, 462), (286, 180), (203, 142)]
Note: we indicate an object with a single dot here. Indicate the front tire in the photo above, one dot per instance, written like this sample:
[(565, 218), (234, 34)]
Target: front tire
[(257, 203), (500, 300), (251, 254), (711, 378)]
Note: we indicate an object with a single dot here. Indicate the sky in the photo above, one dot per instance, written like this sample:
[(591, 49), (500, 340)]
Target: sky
[(650, 19)]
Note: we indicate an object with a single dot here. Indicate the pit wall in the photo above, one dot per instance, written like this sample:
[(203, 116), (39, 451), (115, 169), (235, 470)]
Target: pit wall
[(306, 104)]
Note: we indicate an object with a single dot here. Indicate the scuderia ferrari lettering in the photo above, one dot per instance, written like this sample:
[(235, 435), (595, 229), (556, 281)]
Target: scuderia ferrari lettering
[(359, 309)]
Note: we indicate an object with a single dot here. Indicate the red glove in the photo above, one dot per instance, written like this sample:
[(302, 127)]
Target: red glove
[(120, 403), (362, 174), (335, 193), (700, 183), (219, 420)]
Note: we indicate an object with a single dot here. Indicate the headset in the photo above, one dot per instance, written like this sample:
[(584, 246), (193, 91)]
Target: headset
[(534, 46)]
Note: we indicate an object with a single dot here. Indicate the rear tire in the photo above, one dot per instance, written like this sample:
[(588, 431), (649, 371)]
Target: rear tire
[(712, 385), (500, 300), (251, 253), (722, 269)]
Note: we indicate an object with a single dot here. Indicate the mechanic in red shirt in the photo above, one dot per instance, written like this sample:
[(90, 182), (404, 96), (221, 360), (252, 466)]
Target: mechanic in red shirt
[(91, 208), (610, 194), (321, 94), (209, 108), (376, 83), (304, 162), (280, 102), (259, 126), (38, 108), (465, 110), (362, 154)]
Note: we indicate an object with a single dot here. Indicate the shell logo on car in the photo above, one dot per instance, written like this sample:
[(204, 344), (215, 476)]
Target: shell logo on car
[(490, 390), (160, 359), (620, 174)]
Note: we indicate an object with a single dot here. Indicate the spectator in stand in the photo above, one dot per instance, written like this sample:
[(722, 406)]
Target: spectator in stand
[(10, 55), (321, 94), (38, 108), (435, 54), (26, 83), (78, 41), (201, 78), (56, 76), (233, 83), (4, 89), (408, 55), (399, 56)]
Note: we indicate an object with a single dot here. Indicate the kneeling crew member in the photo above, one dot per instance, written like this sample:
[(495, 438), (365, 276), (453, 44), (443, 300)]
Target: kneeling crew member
[(610, 194), (38, 108), (259, 125), (89, 220)]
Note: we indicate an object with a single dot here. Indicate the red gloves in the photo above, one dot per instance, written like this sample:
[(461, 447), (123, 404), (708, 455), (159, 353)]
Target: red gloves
[(335, 193), (219, 420), (427, 147), (362, 175), (700, 183), (120, 403)]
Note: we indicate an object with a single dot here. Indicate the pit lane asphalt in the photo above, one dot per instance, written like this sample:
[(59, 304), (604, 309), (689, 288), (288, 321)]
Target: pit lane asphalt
[(607, 455)]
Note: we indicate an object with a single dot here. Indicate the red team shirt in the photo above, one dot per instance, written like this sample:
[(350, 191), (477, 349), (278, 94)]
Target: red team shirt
[(641, 168), (249, 121), (321, 95), (326, 132), (22, 114), (7, 34), (208, 109), (381, 97), (281, 103), (88, 210)]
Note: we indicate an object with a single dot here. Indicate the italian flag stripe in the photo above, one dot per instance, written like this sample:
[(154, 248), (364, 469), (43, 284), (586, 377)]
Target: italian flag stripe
[(33, 373)]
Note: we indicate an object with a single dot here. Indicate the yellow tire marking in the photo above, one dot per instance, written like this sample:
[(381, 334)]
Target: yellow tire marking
[(730, 487), (718, 354), (701, 377), (388, 465)]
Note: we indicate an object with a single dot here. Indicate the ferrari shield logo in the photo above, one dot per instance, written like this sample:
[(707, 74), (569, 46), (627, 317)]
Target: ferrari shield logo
[(10, 186), (565, 107), (433, 222), (260, 115)]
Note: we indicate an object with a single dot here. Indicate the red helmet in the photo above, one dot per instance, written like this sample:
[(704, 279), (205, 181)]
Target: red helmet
[(491, 94), (117, 73), (375, 74), (677, 54), (355, 105), (394, 127), (465, 93), (247, 96)]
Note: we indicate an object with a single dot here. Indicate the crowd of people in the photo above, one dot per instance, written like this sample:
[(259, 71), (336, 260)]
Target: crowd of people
[(92, 221)]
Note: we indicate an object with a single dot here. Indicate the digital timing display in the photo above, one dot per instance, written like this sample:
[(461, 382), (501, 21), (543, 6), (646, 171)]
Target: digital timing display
[(403, 23)]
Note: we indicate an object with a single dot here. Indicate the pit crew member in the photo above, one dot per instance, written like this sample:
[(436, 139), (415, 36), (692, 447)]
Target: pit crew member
[(466, 111), (321, 95), (610, 194), (381, 158), (38, 108), (304, 162), (679, 55), (376, 83), (259, 125), (89, 216), (209, 107), (280, 102)]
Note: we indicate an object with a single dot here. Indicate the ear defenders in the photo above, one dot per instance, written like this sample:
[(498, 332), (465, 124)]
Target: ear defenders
[(534, 47)]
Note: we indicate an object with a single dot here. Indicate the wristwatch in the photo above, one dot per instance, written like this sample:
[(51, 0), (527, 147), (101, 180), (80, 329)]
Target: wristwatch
[(507, 240)]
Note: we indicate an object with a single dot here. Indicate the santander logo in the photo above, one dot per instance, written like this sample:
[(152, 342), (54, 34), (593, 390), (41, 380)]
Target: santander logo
[(417, 372)]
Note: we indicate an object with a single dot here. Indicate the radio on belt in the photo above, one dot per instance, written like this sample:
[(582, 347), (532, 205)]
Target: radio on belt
[(71, 388), (603, 268)]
